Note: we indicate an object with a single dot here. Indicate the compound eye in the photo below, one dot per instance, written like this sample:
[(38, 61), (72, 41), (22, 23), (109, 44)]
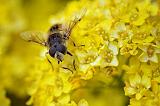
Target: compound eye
[(52, 51), (55, 46), (61, 48)]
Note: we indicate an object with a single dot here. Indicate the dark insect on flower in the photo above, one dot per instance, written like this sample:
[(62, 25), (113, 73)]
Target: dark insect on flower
[(55, 39)]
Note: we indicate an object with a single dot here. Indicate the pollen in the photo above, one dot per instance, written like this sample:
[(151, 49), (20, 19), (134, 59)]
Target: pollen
[(108, 56), (90, 59)]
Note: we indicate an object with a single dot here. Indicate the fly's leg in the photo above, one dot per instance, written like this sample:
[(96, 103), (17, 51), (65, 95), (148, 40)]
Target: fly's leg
[(69, 53), (68, 69), (74, 44), (49, 60), (74, 64)]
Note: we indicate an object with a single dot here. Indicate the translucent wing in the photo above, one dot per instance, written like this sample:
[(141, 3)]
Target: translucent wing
[(37, 37), (77, 18)]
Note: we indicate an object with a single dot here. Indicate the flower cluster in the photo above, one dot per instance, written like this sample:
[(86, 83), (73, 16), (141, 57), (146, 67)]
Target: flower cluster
[(126, 29)]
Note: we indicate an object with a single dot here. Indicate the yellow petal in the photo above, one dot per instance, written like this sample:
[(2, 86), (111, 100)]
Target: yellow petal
[(83, 102)]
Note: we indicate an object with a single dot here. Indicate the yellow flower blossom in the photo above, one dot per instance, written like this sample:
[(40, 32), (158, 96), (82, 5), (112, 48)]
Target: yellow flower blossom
[(149, 53), (138, 85), (129, 49), (109, 55), (142, 34)]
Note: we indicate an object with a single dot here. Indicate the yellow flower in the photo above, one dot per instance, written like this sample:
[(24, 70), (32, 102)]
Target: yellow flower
[(138, 11), (149, 53), (109, 55), (129, 49), (139, 78), (142, 34), (121, 33), (119, 27), (137, 85), (150, 99)]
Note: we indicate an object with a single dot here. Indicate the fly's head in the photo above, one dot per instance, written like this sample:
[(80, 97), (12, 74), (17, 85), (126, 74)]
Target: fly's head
[(58, 51)]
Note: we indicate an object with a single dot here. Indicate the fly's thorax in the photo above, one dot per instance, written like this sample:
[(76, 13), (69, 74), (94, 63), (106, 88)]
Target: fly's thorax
[(56, 27), (55, 38)]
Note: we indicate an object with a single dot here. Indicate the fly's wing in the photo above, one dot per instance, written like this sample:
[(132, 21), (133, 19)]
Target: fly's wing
[(77, 18), (37, 37)]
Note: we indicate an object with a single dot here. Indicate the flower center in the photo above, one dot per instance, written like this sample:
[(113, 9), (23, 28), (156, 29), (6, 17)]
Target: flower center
[(156, 73), (108, 56), (150, 51), (90, 59)]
